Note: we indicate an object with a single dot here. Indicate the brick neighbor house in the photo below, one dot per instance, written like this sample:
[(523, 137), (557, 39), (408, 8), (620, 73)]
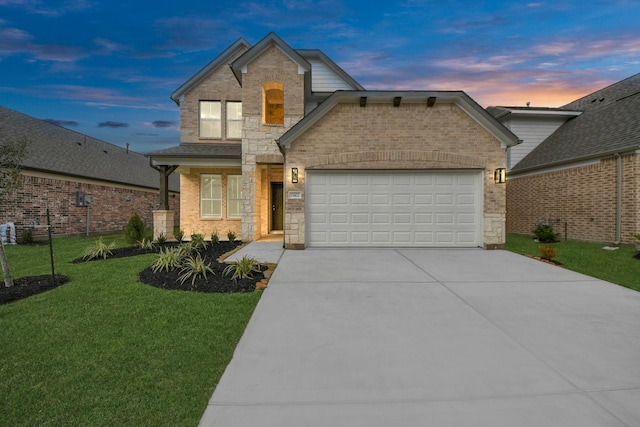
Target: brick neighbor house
[(282, 141), (62, 165), (579, 165)]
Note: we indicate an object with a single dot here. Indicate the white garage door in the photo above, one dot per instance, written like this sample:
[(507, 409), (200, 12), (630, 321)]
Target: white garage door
[(394, 208)]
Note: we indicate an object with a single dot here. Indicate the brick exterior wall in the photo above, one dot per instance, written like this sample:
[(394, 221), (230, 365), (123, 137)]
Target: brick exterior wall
[(411, 136), (580, 202), (191, 222), (220, 85), (109, 211)]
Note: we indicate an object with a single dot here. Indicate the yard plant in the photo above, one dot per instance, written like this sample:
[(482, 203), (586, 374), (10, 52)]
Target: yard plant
[(100, 249), (243, 268), (617, 266), (105, 349)]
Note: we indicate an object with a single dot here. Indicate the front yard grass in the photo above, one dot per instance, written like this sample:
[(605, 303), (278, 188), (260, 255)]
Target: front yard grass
[(617, 266), (105, 349)]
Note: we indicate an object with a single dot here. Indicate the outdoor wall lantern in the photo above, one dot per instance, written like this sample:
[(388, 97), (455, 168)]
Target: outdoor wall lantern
[(294, 175), (500, 176)]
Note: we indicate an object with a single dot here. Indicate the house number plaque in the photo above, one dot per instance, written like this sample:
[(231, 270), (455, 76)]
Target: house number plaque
[(295, 195)]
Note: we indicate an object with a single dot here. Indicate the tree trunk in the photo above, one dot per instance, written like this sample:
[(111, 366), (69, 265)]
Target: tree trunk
[(8, 281)]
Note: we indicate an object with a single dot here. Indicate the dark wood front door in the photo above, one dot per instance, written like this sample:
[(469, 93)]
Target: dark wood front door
[(277, 211)]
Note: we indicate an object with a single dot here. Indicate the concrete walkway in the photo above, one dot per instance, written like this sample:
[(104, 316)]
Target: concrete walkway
[(414, 337)]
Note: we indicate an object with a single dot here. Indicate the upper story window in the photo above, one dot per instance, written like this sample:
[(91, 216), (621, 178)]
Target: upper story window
[(273, 103), (210, 119), (234, 119)]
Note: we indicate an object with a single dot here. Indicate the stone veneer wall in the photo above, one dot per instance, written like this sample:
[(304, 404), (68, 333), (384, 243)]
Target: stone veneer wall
[(583, 198), (411, 136), (109, 212), (258, 142)]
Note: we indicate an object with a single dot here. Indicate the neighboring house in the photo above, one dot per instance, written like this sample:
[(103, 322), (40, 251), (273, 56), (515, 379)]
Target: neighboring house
[(62, 165), (276, 140), (580, 168)]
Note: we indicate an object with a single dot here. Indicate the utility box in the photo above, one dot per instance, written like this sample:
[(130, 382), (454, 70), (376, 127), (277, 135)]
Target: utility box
[(80, 198)]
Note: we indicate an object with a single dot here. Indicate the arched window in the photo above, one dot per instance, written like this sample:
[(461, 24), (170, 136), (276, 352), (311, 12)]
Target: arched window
[(273, 103)]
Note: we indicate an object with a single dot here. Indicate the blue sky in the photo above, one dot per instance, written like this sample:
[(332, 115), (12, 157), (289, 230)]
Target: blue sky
[(106, 68)]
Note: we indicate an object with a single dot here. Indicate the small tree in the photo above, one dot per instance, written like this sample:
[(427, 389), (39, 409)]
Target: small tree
[(134, 231), (12, 153)]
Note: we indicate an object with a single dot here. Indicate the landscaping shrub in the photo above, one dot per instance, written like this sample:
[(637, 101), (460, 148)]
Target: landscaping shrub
[(547, 252), (99, 250), (179, 235), (194, 268), (231, 236), (243, 269), (544, 233), (198, 242), (134, 231), (145, 244), (27, 236), (161, 239), (215, 238), (168, 259)]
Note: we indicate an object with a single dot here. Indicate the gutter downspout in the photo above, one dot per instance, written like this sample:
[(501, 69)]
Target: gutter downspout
[(618, 198)]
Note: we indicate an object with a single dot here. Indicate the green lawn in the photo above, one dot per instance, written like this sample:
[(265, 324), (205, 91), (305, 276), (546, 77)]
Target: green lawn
[(618, 266), (107, 350)]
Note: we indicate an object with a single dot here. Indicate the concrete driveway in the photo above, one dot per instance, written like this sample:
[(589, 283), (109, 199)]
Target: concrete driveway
[(414, 337)]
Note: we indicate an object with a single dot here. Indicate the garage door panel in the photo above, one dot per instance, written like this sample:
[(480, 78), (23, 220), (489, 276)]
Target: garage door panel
[(394, 208)]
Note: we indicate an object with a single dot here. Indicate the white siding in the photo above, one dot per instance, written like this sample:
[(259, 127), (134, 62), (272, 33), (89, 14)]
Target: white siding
[(325, 80), (532, 131)]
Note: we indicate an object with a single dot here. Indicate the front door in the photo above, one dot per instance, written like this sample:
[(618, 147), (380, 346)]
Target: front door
[(277, 211)]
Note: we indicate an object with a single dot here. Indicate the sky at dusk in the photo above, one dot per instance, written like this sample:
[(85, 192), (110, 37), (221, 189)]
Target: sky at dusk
[(106, 68)]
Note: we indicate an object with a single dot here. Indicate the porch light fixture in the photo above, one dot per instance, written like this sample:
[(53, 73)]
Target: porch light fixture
[(500, 176), (294, 175)]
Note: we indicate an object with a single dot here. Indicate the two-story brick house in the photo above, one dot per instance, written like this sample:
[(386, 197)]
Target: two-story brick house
[(279, 140)]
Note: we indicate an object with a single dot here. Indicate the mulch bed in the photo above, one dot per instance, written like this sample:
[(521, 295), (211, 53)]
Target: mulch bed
[(27, 286), (214, 283)]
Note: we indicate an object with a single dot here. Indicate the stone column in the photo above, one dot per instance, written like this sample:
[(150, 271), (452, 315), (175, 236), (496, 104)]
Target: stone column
[(163, 223)]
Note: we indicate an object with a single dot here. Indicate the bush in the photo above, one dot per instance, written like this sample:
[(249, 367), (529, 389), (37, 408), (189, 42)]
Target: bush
[(243, 269), (99, 250), (179, 235), (145, 244), (135, 230), (194, 267), (167, 260), (215, 238), (544, 233), (547, 252), (231, 236), (27, 236), (161, 239), (197, 241)]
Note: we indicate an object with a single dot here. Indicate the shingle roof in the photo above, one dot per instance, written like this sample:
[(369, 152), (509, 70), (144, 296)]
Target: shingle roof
[(610, 122), (200, 150), (54, 149)]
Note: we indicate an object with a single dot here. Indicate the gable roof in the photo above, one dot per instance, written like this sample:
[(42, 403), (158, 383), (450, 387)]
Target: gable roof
[(609, 124), (464, 101), (223, 59), (316, 56), (57, 150), (239, 65)]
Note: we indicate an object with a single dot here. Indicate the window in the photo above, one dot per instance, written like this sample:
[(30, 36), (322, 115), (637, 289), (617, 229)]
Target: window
[(210, 119), (234, 120), (273, 97), (211, 196), (234, 196)]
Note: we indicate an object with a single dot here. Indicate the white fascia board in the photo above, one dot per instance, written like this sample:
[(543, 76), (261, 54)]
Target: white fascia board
[(546, 113)]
